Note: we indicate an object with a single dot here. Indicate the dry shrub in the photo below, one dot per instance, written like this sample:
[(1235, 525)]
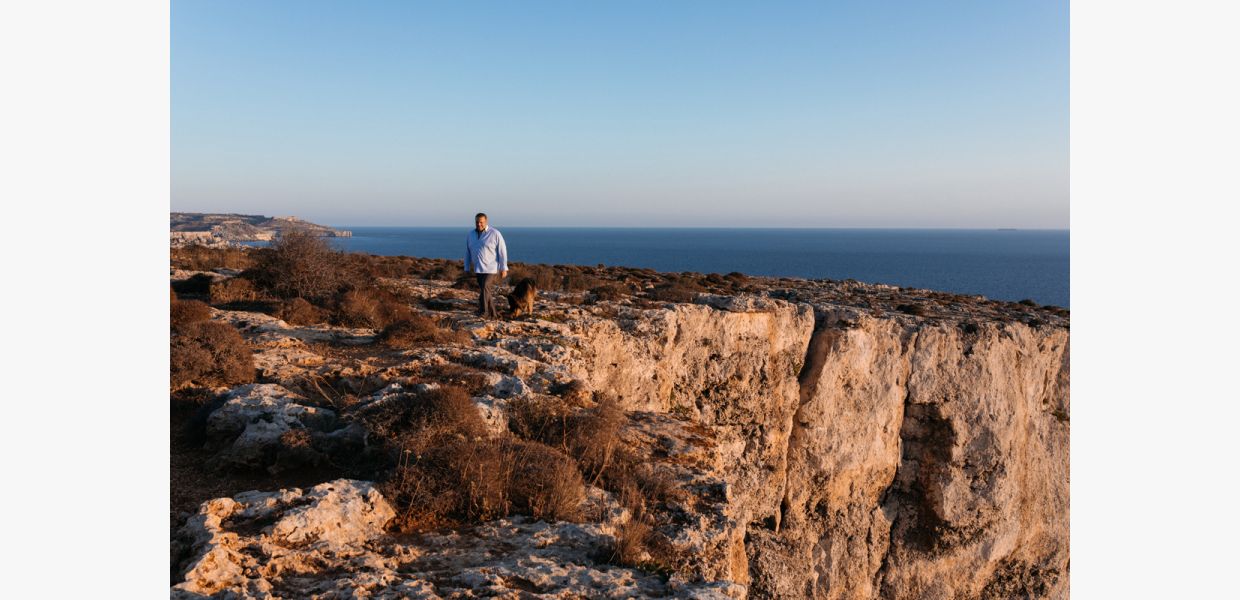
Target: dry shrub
[(573, 280), (544, 277), (592, 435), (373, 266), (199, 284), (574, 392), (417, 421), (473, 381), (682, 290), (370, 307), (631, 539), (300, 264), (418, 329), (196, 257), (912, 309), (541, 418), (445, 271), (184, 312), (300, 312), (479, 480), (233, 289), (209, 353), (609, 292), (547, 484)]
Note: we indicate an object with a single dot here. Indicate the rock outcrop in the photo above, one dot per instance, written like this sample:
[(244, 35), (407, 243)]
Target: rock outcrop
[(826, 450)]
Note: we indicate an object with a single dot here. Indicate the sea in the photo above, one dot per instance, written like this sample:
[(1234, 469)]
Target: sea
[(1001, 264)]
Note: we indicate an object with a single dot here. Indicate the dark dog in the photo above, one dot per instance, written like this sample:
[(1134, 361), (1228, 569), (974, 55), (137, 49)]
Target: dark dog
[(521, 300)]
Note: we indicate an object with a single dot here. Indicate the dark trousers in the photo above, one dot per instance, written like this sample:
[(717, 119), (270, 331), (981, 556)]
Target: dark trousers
[(486, 295)]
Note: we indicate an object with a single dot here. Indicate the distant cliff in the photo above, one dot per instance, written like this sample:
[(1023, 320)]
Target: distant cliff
[(223, 229)]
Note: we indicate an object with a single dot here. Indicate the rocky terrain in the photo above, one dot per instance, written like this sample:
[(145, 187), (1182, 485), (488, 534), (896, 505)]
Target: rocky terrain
[(222, 229), (794, 438)]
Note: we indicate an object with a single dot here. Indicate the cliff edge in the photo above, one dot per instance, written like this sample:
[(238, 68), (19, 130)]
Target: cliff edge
[(811, 439)]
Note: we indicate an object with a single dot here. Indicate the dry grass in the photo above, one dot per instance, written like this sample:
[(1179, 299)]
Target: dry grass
[(209, 353)]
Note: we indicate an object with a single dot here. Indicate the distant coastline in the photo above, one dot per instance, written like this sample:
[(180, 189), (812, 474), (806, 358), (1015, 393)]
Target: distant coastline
[(222, 229)]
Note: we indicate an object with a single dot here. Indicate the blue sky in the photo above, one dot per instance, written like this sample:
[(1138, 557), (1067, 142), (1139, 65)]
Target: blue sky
[(653, 114)]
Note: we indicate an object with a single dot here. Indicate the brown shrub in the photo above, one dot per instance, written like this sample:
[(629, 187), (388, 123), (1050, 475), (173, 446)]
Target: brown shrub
[(199, 284), (300, 264), (209, 353), (445, 271), (184, 312), (473, 381), (574, 392), (540, 418), (544, 277), (912, 309), (233, 289), (573, 280), (418, 329), (300, 312), (196, 257), (630, 543), (609, 292), (417, 421), (370, 307), (547, 484), (592, 435), (677, 290), (480, 480)]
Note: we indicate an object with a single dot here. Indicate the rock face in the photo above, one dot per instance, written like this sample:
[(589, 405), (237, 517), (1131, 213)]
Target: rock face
[(829, 451), (328, 542)]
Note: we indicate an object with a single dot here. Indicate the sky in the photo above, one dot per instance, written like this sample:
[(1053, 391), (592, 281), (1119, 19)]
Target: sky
[(626, 114)]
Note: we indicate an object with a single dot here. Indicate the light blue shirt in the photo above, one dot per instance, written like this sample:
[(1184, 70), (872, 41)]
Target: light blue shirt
[(485, 252)]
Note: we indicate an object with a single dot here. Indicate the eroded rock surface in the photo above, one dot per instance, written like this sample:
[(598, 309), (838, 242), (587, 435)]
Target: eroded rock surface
[(329, 542), (826, 445)]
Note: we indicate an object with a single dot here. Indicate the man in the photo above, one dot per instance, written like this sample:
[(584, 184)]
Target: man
[(486, 256)]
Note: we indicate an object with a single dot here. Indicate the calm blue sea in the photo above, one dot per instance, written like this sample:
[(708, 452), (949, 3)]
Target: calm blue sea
[(999, 264)]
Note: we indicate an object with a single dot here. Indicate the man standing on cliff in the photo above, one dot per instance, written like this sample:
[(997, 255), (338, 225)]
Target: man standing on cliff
[(486, 256)]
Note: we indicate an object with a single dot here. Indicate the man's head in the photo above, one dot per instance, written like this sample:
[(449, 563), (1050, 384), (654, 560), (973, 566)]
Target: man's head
[(480, 222)]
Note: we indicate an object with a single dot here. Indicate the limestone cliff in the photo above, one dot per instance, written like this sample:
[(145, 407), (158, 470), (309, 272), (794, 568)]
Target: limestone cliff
[(830, 448)]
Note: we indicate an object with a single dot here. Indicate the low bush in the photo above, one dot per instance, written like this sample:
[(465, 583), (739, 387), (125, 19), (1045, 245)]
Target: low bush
[(912, 309), (300, 312), (195, 257), (419, 421), (591, 435), (184, 312), (209, 353), (370, 307), (473, 381), (300, 264), (609, 292), (544, 277), (198, 285), (233, 289), (418, 329), (676, 291), (479, 480)]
